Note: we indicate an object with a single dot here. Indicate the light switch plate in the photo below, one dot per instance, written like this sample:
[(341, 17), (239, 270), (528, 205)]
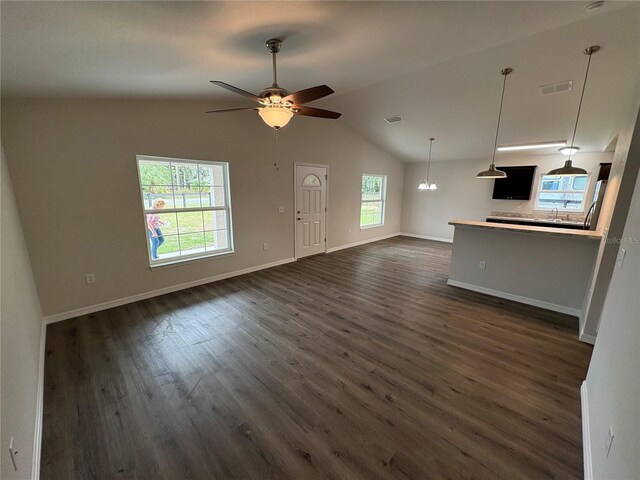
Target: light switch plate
[(280, 209), (620, 258)]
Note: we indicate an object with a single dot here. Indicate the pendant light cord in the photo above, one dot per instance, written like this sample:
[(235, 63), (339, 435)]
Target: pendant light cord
[(584, 85), (429, 161), (505, 72)]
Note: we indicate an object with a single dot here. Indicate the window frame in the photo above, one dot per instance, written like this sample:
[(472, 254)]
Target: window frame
[(382, 201), (181, 259), (539, 191)]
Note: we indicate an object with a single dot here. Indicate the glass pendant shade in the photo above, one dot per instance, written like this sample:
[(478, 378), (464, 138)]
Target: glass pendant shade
[(427, 184), (568, 169), (493, 172), (275, 116)]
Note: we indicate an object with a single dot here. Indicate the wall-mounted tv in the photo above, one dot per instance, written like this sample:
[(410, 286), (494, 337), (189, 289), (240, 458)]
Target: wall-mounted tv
[(517, 185)]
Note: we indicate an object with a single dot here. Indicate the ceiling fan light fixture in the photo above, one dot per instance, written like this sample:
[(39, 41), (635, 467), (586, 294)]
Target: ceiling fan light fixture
[(277, 104), (274, 116)]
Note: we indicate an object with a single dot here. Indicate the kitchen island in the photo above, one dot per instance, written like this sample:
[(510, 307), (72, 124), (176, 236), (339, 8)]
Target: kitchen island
[(548, 267)]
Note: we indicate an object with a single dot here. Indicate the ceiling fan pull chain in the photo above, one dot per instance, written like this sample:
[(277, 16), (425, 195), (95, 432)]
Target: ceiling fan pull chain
[(275, 141)]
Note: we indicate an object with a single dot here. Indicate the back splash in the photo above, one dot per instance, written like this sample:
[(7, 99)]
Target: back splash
[(577, 217)]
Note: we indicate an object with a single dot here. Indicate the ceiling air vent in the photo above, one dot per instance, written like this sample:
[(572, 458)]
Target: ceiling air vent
[(393, 119), (565, 86)]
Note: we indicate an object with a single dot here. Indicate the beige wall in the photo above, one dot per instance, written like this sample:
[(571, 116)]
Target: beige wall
[(624, 170), (462, 196), (613, 380), (20, 334), (74, 171)]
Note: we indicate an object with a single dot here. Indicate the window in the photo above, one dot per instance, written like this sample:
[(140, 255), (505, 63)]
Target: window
[(564, 192), (311, 180), (187, 209), (372, 200)]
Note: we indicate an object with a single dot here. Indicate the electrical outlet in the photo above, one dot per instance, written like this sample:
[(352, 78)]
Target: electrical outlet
[(13, 453), (607, 445), (483, 265), (265, 246), (280, 209), (90, 278)]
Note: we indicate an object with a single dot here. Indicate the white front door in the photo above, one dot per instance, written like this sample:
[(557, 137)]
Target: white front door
[(311, 211)]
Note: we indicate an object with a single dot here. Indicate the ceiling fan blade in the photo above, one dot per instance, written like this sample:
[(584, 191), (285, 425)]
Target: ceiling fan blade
[(316, 112), (237, 90), (231, 110), (308, 95)]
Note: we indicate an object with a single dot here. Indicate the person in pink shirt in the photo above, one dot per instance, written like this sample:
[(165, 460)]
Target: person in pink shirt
[(153, 227)]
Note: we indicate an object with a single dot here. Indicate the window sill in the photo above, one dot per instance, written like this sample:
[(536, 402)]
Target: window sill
[(185, 261), (372, 226)]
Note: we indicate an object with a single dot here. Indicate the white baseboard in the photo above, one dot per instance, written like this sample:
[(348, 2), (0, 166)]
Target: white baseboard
[(586, 338), (57, 317), (427, 237), (586, 433), (361, 242), (516, 298), (37, 436)]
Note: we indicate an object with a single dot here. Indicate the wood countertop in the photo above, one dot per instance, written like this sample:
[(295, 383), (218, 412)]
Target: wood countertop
[(561, 232)]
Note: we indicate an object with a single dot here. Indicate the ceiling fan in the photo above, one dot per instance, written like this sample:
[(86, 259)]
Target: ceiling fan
[(277, 104)]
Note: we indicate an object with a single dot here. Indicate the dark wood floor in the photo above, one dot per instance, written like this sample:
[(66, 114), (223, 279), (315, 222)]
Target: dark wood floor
[(360, 364)]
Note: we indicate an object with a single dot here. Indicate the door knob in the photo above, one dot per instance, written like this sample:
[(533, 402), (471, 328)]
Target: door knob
[(299, 218)]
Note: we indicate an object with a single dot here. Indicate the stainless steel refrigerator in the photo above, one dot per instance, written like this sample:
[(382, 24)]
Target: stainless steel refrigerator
[(591, 220)]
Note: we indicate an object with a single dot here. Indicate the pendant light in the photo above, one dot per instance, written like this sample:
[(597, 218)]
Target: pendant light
[(427, 184), (493, 172), (568, 168)]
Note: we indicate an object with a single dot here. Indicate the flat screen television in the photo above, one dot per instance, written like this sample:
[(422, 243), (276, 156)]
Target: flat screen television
[(517, 185)]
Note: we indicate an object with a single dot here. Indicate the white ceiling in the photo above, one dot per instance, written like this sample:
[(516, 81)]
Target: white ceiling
[(435, 63), (457, 101)]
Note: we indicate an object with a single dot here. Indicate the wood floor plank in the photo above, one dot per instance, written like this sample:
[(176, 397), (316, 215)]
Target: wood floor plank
[(360, 364)]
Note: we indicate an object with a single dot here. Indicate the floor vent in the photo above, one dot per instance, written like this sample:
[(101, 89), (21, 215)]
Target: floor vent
[(393, 119), (566, 86)]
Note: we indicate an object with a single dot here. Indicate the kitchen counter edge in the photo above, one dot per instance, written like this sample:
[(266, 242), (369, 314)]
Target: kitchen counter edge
[(561, 232)]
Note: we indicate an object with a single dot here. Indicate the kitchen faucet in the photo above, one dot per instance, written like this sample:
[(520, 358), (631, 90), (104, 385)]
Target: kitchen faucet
[(556, 210)]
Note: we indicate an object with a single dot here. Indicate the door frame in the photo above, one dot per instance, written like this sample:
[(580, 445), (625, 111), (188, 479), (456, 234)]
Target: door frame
[(295, 198)]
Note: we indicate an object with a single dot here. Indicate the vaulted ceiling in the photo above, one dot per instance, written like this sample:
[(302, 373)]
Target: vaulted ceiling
[(434, 63)]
